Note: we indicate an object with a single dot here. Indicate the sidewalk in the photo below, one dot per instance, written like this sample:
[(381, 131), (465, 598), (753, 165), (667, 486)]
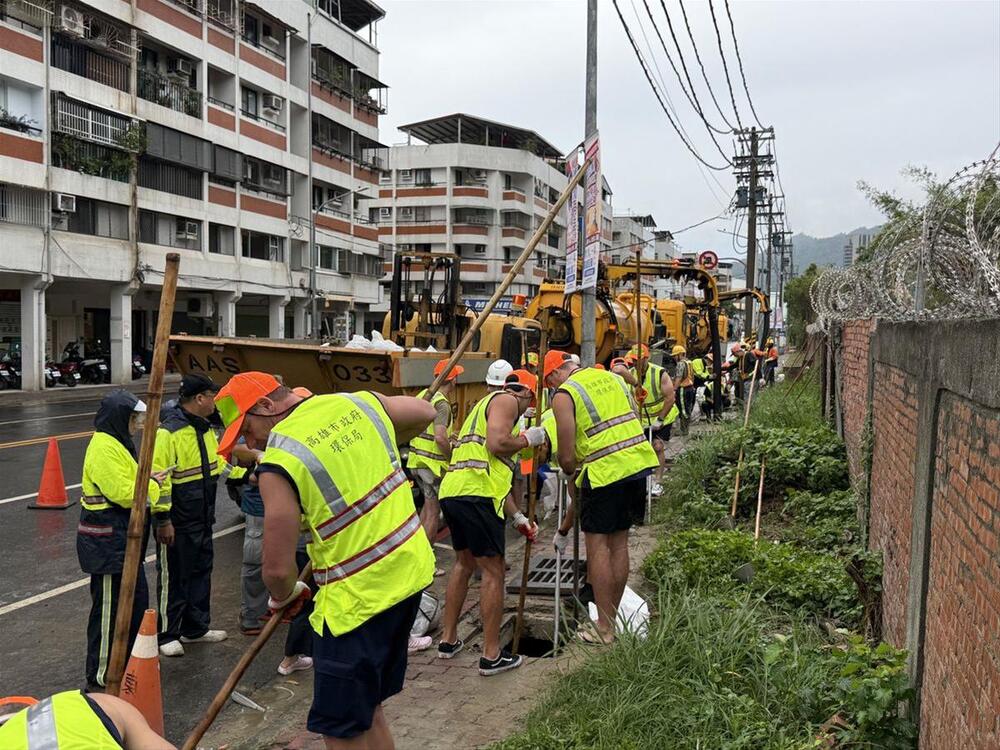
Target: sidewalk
[(62, 394), (445, 705)]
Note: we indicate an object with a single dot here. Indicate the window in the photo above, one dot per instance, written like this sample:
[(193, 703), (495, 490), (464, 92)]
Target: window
[(331, 196), (96, 218), (221, 239), (170, 178), (422, 176), (385, 178), (249, 101), (508, 182), (250, 32), (262, 246), (328, 258), (264, 176), (169, 230)]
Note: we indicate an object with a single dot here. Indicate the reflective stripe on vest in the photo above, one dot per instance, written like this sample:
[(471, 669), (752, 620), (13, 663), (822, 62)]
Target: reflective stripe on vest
[(424, 450), (95, 502), (606, 425), (213, 468), (368, 549), (64, 721), (474, 470), (41, 727)]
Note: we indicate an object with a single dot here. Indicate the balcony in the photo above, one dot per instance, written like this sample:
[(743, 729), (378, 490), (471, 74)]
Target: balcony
[(165, 91), (19, 205), (85, 157), (81, 60), (90, 124)]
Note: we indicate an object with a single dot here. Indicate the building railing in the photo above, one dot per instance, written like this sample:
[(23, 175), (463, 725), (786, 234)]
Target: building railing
[(263, 121), (277, 54), (220, 12), (220, 103), (77, 119), (87, 157), (81, 60), (160, 89), (262, 193), (20, 205)]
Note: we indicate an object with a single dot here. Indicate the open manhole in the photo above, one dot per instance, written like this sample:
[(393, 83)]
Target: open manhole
[(542, 576)]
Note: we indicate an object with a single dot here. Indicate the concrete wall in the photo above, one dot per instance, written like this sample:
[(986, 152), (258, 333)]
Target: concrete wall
[(919, 408)]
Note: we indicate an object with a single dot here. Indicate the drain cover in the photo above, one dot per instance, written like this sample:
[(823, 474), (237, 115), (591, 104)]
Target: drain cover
[(542, 576)]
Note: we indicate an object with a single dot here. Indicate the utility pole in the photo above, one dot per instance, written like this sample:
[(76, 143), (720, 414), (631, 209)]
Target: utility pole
[(588, 300), (751, 230)]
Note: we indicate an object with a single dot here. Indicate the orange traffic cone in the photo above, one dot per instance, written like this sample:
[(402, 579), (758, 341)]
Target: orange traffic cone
[(52, 489), (141, 681)]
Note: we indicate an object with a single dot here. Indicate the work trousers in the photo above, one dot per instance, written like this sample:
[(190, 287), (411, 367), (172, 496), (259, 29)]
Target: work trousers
[(253, 602), (185, 585), (101, 625)]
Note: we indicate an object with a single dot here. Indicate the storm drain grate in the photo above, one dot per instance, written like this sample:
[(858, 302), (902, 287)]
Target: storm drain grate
[(542, 576)]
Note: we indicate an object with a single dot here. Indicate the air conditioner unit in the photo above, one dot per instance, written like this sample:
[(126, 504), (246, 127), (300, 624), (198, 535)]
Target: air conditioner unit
[(71, 21), (272, 102), (337, 200), (385, 213), (64, 203), (200, 306), (180, 66), (405, 175), (187, 230), (405, 248)]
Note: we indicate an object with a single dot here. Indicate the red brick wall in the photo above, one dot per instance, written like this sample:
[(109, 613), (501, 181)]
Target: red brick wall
[(961, 685), (891, 515), (855, 342)]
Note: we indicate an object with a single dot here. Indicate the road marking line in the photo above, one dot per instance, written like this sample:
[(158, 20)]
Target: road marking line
[(46, 419), (36, 441), (14, 606), (35, 494)]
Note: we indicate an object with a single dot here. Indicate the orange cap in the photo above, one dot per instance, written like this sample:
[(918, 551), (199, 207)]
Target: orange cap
[(554, 359), (619, 362), (599, 366), (455, 371), (525, 378), (643, 349), (236, 398)]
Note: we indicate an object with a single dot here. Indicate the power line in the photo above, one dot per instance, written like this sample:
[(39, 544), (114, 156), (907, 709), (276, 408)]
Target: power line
[(701, 65), (739, 60), (656, 92), (725, 67)]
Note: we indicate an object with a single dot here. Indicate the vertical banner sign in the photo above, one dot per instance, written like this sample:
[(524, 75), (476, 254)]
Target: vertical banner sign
[(572, 227), (592, 224)]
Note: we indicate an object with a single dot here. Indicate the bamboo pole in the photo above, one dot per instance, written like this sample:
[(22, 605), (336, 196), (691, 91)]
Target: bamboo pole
[(533, 486), (746, 420), (244, 663), (509, 278), (137, 516), (760, 500)]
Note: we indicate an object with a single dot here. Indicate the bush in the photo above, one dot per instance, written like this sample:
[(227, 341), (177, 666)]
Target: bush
[(786, 576), (826, 522)]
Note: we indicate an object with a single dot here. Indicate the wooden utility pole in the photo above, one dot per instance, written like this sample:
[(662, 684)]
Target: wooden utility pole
[(751, 263)]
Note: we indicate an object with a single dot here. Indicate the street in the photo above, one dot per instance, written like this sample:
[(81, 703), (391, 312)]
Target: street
[(43, 594)]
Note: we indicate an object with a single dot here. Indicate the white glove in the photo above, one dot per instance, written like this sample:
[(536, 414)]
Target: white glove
[(564, 476), (529, 413), (525, 527), (300, 586), (560, 542), (534, 435)]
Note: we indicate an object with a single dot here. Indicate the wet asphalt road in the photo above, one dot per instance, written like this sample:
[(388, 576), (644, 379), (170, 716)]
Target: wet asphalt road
[(44, 599)]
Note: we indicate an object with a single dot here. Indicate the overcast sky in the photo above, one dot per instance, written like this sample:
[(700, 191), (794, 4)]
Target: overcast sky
[(854, 90)]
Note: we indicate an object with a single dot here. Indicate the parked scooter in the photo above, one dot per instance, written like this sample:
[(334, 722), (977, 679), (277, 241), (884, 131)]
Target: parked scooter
[(92, 370), (69, 372), (138, 368), (52, 376), (8, 378)]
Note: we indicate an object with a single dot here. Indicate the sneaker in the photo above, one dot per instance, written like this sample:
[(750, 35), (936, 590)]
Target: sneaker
[(300, 663), (656, 490), (210, 636), (171, 648), (450, 650), (418, 643), (502, 663)]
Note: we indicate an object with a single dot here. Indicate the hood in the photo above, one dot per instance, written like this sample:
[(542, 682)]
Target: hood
[(173, 417), (113, 415)]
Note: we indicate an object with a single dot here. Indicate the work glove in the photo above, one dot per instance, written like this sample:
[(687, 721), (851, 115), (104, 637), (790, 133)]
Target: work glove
[(293, 604), (535, 436), (529, 413), (525, 527), (164, 533), (560, 542)]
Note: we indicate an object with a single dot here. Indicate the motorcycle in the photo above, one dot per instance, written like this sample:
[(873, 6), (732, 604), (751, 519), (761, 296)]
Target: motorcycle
[(69, 373), (138, 368), (93, 370), (52, 377), (7, 377)]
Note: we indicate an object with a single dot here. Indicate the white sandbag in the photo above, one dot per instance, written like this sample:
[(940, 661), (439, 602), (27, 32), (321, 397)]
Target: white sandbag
[(428, 615), (358, 342), (381, 344), (633, 614)]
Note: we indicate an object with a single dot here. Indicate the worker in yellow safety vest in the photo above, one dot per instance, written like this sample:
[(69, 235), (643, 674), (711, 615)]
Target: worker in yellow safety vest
[(332, 462), (600, 443), (430, 451), (186, 449), (657, 407), (475, 494), (683, 383), (74, 720), (109, 473)]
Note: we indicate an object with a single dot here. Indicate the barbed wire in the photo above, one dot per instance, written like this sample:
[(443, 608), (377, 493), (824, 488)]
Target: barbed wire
[(941, 263)]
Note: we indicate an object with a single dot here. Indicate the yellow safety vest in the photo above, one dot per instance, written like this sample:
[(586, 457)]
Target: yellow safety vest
[(109, 477), (610, 443), (424, 451), (180, 449), (549, 425), (64, 721), (700, 368), (473, 469), (654, 393), (368, 548)]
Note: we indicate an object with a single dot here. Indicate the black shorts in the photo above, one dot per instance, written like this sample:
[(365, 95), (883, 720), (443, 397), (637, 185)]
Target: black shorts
[(661, 434), (474, 525), (614, 507), (357, 671)]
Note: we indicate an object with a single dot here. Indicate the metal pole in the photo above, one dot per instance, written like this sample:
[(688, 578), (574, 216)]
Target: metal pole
[(313, 251), (751, 232), (560, 505), (765, 328), (588, 298)]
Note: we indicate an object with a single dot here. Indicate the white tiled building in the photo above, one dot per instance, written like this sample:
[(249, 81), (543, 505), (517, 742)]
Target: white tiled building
[(128, 131)]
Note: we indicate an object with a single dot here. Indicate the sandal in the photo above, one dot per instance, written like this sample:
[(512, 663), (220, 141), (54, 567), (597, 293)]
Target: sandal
[(591, 637)]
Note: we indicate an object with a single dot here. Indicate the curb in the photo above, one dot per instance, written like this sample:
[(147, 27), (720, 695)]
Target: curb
[(79, 393)]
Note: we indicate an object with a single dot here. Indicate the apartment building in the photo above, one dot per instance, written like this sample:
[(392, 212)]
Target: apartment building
[(214, 128), (478, 189)]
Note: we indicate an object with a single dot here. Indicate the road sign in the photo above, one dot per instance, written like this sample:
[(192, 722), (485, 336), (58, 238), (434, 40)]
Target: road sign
[(708, 260)]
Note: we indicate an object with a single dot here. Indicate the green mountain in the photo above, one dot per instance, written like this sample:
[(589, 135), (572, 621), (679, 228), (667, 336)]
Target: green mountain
[(827, 251)]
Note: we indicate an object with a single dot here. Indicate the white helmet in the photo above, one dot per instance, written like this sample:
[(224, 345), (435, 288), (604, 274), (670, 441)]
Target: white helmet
[(498, 372)]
